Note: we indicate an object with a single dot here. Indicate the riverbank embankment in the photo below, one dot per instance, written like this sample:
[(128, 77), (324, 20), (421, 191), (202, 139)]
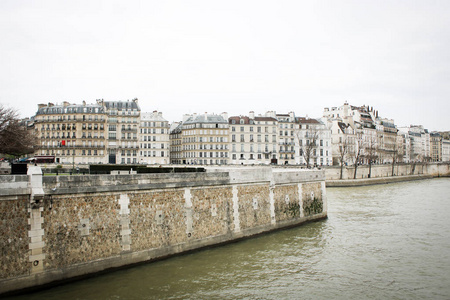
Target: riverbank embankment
[(382, 174), (373, 181)]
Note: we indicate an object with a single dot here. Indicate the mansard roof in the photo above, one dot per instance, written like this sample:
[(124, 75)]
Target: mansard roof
[(153, 116), (121, 105), (205, 118), (237, 120), (343, 126), (304, 120), (270, 119), (248, 120), (70, 109)]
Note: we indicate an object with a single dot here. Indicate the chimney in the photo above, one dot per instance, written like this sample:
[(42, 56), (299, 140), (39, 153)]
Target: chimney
[(224, 116), (50, 104), (251, 115), (84, 103), (291, 116), (271, 114), (41, 105), (65, 103)]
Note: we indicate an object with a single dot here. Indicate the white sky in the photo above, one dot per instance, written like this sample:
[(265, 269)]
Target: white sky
[(236, 56)]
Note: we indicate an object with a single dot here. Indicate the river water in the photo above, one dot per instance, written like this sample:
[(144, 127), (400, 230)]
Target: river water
[(379, 242)]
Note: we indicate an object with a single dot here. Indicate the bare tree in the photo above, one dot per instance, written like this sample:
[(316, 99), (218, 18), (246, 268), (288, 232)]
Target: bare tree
[(358, 151), (343, 152), (15, 139), (371, 153), (414, 158), (395, 156), (308, 143)]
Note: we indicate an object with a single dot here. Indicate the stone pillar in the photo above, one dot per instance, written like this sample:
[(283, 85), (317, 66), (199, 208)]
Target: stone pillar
[(237, 224), (300, 199), (125, 231), (272, 204), (35, 220), (188, 211)]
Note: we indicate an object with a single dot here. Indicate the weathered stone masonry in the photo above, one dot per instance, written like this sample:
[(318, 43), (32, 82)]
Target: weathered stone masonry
[(56, 228)]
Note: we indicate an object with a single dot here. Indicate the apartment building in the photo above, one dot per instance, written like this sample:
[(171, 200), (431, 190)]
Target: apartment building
[(287, 126), (419, 142), (205, 139), (387, 140), (122, 131), (103, 132), (253, 139), (313, 140), (176, 147), (72, 133), (435, 146), (154, 139), (445, 150)]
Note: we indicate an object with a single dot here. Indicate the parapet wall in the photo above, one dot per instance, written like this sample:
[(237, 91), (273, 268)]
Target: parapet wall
[(72, 226), (441, 169)]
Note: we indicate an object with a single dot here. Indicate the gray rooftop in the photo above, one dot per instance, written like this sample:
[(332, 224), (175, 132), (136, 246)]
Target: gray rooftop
[(206, 118)]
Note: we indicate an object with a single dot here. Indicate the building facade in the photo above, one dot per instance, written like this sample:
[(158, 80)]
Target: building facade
[(204, 139), (253, 140), (73, 134), (154, 139), (103, 132), (313, 140)]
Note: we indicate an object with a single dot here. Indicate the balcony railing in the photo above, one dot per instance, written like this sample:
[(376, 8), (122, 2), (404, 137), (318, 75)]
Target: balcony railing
[(71, 147)]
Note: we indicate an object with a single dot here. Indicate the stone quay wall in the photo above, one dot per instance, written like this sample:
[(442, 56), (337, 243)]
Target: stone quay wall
[(57, 228), (437, 169)]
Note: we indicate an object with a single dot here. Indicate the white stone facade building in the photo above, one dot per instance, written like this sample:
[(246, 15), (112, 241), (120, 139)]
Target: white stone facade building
[(154, 139), (253, 139), (122, 131), (205, 140), (313, 135)]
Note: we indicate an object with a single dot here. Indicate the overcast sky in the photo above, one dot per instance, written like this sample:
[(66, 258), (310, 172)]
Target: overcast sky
[(192, 56)]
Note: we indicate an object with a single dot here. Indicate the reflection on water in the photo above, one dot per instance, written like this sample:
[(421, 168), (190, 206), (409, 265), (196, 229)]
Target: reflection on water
[(379, 242)]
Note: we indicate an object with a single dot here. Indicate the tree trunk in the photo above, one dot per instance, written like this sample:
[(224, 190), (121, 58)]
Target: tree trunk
[(354, 174), (342, 167), (370, 169), (393, 165)]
